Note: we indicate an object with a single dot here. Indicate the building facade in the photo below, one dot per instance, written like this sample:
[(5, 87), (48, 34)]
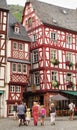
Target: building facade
[(38, 58), (53, 50), (14, 60)]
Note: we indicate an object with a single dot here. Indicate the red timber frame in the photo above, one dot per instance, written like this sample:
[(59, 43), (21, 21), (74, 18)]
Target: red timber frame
[(44, 44), (3, 40)]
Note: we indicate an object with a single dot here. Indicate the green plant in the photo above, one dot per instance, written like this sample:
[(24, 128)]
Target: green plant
[(69, 63), (54, 61), (55, 83)]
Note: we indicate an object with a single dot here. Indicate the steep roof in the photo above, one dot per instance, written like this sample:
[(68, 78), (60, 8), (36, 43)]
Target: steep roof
[(20, 36), (55, 15), (3, 5)]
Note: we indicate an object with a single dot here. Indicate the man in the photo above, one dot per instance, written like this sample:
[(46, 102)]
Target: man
[(21, 113)]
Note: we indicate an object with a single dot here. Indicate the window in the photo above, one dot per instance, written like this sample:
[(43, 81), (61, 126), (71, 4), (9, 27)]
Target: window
[(69, 39), (35, 56), (15, 45), (34, 37), (53, 54), (36, 78), (17, 29), (19, 68), (24, 68), (76, 58), (53, 36), (12, 88), (68, 56), (18, 89), (29, 22), (54, 75), (14, 68), (20, 46), (69, 77)]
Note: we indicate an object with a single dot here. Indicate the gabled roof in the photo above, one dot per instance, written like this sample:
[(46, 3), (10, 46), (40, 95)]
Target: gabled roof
[(22, 35), (55, 15), (3, 5)]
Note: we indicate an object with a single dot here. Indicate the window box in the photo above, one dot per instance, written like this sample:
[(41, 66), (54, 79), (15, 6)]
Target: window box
[(54, 61), (55, 83), (70, 84), (69, 63)]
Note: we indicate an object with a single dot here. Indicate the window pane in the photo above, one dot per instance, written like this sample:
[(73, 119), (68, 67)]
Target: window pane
[(19, 67), (15, 45), (24, 68), (35, 56), (20, 46), (14, 67), (18, 89)]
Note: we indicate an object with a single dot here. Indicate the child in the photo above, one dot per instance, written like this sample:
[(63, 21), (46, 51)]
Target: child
[(28, 116), (42, 114)]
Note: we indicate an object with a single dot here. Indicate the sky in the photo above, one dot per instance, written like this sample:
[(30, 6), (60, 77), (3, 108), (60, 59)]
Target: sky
[(64, 3)]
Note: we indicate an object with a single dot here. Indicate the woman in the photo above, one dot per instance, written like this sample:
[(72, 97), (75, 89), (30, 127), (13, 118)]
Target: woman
[(35, 113), (52, 113)]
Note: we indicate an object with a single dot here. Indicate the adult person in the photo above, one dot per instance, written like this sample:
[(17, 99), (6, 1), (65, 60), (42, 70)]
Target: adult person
[(35, 113), (21, 113), (52, 113), (71, 110), (15, 110)]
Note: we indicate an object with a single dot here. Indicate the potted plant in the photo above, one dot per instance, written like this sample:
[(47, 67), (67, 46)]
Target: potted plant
[(69, 63), (55, 83), (54, 61), (70, 84)]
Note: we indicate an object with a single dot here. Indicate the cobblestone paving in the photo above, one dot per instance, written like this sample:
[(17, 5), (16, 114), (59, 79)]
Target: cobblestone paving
[(62, 123)]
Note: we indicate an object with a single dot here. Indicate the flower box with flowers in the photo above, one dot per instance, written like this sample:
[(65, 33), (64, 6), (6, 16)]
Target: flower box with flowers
[(54, 61), (70, 84), (55, 83), (69, 63)]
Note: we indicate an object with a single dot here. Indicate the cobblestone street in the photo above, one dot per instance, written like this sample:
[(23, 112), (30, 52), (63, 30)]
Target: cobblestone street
[(62, 123)]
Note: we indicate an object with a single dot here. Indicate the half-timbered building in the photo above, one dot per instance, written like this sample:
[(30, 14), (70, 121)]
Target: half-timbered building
[(14, 60), (53, 31), (3, 43)]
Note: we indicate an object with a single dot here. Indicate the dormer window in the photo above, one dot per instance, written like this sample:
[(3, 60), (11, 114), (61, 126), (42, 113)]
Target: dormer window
[(30, 22), (17, 30)]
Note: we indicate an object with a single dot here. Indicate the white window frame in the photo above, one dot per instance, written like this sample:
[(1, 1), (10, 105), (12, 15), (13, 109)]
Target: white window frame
[(53, 54), (53, 36), (18, 89), (54, 75), (17, 30), (21, 46), (12, 88), (19, 66), (35, 56), (68, 56), (15, 45), (76, 57), (14, 67), (69, 39), (36, 78), (24, 68)]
